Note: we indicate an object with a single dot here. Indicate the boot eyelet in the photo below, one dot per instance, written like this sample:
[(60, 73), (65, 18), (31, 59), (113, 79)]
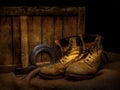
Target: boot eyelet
[(87, 59), (62, 60), (90, 53), (65, 58), (91, 50), (71, 41)]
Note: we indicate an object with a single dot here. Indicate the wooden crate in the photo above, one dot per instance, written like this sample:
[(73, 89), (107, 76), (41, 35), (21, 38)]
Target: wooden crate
[(22, 28)]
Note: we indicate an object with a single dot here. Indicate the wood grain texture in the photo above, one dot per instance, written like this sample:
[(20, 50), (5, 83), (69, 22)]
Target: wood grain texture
[(34, 33), (58, 25), (23, 10), (24, 42), (70, 26), (47, 34), (5, 41), (81, 20), (35, 25), (16, 40), (48, 30), (30, 33)]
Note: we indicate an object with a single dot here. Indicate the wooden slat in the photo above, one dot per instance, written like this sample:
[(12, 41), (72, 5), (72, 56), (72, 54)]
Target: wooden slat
[(58, 27), (58, 31), (81, 20), (5, 41), (7, 68), (48, 30), (48, 34), (30, 31), (34, 32), (70, 26), (38, 10), (24, 41), (16, 40)]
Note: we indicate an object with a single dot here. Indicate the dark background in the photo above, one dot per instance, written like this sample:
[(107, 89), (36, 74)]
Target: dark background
[(101, 17), (105, 20)]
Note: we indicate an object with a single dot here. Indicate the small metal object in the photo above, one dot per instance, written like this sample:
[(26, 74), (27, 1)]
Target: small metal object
[(20, 71), (40, 48)]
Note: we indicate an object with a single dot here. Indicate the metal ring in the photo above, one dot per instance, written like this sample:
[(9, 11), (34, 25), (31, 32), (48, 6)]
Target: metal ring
[(41, 48)]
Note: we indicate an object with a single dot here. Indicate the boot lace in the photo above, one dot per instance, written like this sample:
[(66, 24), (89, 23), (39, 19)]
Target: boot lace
[(69, 52)]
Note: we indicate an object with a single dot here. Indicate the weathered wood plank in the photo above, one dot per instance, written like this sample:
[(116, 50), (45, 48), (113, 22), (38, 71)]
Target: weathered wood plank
[(48, 30), (7, 68), (58, 31), (24, 41), (58, 24), (70, 26), (30, 32), (48, 34), (81, 20), (5, 41), (24, 10), (34, 33), (16, 40)]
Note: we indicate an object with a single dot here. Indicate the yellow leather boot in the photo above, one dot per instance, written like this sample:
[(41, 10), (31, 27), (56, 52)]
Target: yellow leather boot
[(57, 70), (89, 61)]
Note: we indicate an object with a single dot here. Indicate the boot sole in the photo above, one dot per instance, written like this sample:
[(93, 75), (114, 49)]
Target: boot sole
[(44, 76), (70, 76)]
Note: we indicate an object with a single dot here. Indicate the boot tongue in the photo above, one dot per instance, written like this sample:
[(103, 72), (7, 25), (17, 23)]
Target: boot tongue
[(72, 42), (72, 52)]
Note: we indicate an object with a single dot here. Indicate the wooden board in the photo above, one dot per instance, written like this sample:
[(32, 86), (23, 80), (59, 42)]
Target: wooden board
[(16, 40), (24, 42), (58, 25), (5, 41), (81, 20), (70, 26), (58, 33), (47, 34), (19, 34), (36, 10), (30, 33), (34, 34)]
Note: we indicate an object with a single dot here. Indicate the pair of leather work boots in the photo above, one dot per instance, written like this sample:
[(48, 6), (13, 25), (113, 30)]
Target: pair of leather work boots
[(80, 58)]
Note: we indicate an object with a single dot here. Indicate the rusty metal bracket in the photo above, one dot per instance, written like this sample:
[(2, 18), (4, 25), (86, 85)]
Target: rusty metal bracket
[(40, 48), (22, 71)]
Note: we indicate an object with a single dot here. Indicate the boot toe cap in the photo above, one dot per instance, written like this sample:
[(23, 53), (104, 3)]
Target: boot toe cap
[(80, 68), (45, 70), (52, 70)]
